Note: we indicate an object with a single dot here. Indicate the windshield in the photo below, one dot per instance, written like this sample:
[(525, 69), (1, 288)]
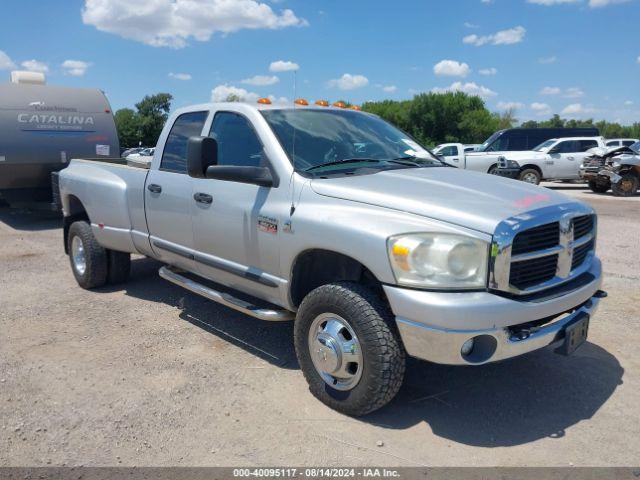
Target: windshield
[(635, 147), (544, 145), (323, 140)]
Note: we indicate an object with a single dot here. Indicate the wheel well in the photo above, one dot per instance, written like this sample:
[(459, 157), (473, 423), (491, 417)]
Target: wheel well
[(76, 212), (314, 268), (495, 165)]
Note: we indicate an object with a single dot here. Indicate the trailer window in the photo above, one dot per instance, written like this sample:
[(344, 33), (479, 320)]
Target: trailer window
[(174, 156)]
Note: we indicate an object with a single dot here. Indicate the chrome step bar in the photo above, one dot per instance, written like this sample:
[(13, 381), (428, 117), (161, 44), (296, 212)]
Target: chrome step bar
[(173, 275)]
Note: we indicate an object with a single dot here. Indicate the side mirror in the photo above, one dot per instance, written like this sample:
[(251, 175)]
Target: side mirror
[(260, 176), (202, 152)]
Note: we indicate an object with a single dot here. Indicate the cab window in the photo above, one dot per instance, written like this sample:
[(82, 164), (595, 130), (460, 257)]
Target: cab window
[(568, 146), (174, 156), (238, 144), (587, 144)]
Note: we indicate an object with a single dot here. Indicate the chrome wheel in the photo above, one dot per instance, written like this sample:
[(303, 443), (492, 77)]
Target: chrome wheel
[(77, 254), (335, 351), (530, 178)]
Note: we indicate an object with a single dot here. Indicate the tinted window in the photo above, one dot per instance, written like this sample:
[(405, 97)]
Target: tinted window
[(587, 144), (628, 143), (568, 146), (449, 151), (613, 143), (174, 157), (238, 143)]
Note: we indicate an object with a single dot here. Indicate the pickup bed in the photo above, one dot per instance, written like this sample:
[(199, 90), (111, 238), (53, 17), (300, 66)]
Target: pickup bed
[(337, 220)]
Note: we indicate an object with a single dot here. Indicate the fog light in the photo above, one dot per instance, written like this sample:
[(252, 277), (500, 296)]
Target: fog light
[(467, 347)]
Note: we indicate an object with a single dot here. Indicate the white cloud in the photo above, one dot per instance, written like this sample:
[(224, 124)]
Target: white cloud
[(510, 105), (550, 91), (261, 80), (470, 88), (171, 23), (283, 66), (541, 108), (349, 82), (451, 68), (222, 92), (35, 66), (488, 71), (75, 68), (577, 110), (470, 25), (638, 59), (628, 103), (573, 92), (389, 88), (548, 60), (5, 62), (604, 3), (180, 76), (503, 37)]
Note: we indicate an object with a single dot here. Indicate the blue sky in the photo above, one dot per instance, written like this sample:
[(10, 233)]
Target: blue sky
[(579, 58)]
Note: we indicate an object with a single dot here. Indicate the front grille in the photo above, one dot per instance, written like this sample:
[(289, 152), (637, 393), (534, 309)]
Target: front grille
[(582, 226), (580, 254), (538, 238), (532, 272)]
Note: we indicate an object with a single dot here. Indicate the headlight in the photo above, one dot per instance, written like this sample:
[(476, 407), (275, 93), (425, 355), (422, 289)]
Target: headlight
[(439, 260)]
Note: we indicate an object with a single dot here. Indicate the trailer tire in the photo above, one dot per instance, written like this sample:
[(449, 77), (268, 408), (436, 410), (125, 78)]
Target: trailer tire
[(119, 266), (530, 175), (89, 262), (627, 186), (599, 187), (349, 315)]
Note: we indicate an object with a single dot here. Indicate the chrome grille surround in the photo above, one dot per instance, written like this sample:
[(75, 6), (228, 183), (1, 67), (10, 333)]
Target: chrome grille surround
[(506, 231)]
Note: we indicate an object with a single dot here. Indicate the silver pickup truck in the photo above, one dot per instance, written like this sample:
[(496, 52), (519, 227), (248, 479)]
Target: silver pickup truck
[(337, 219)]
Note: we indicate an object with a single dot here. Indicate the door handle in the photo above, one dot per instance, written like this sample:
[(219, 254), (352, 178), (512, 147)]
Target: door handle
[(154, 188), (455, 159), (203, 198)]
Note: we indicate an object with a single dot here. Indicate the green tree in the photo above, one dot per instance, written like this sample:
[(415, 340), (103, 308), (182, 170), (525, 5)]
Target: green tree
[(128, 126), (153, 111)]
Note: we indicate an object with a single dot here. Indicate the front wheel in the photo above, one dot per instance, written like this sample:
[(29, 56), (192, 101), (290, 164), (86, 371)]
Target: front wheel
[(627, 186), (348, 348), (599, 187), (530, 175)]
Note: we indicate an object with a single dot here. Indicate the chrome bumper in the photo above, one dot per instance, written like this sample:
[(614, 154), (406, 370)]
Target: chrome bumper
[(434, 325)]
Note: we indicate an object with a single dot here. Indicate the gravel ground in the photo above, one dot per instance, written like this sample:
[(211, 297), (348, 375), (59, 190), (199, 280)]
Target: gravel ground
[(149, 374)]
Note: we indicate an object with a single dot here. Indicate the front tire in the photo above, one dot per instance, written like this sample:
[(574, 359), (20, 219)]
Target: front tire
[(599, 187), (627, 186), (530, 175), (88, 258), (348, 348)]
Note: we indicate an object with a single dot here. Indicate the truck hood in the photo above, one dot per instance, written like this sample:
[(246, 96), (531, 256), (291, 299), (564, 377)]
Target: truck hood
[(470, 199)]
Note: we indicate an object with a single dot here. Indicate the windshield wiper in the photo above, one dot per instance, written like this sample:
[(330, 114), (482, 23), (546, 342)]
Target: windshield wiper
[(345, 160), (417, 161)]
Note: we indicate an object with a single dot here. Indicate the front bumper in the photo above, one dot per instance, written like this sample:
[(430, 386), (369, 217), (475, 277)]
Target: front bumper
[(508, 172), (435, 325)]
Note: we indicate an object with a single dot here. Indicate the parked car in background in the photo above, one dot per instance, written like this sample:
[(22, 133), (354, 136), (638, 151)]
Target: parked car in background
[(131, 151), (555, 159), (472, 147), (635, 147), (485, 159), (143, 152), (615, 168), (620, 142), (337, 219)]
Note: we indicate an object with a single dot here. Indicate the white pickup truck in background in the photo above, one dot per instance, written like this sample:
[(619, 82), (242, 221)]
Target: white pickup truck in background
[(458, 155), (555, 159)]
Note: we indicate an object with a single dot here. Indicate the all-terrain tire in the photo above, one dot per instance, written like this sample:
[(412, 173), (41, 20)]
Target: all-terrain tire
[(530, 175), (382, 351), (119, 266), (627, 186), (599, 187), (95, 257)]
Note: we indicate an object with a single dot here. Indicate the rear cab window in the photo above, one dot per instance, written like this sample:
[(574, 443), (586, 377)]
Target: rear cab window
[(174, 156)]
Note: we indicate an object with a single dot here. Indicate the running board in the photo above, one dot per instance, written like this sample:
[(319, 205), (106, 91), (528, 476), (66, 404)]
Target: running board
[(172, 274)]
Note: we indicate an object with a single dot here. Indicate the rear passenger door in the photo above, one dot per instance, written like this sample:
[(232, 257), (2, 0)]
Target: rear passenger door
[(168, 195)]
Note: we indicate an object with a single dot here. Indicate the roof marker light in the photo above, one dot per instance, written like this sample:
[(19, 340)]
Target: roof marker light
[(339, 104), (301, 101), (322, 103), (264, 101), (355, 107)]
